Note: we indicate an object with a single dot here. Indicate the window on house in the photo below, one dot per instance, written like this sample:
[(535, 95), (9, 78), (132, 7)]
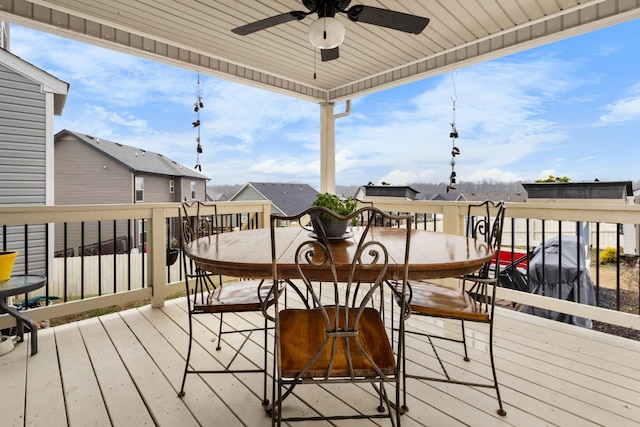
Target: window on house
[(171, 186), (193, 190), (139, 183)]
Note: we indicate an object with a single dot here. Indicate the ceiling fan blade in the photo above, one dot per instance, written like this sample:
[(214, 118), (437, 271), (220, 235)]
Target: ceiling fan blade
[(269, 22), (329, 54), (388, 18)]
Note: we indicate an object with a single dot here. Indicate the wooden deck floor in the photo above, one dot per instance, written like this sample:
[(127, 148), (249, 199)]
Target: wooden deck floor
[(124, 369)]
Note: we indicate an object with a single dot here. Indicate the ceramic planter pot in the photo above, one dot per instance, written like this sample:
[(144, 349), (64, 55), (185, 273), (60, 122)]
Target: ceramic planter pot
[(335, 228), (7, 259)]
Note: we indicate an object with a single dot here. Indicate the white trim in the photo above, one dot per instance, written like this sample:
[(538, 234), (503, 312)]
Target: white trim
[(48, 83)]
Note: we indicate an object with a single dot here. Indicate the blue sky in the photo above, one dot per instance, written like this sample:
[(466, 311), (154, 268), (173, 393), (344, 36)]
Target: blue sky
[(569, 108)]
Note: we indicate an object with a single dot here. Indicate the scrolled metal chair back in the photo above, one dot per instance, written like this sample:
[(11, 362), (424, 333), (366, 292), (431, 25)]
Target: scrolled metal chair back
[(484, 223), (339, 268)]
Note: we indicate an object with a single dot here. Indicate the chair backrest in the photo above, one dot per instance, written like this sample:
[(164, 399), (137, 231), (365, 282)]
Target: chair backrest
[(484, 223), (338, 266), (193, 225)]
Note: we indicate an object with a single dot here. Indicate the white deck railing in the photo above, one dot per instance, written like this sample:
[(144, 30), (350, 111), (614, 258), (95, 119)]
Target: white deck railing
[(158, 286)]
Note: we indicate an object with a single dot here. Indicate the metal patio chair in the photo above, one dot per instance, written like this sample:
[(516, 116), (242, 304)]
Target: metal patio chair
[(473, 302), (208, 295), (341, 338)]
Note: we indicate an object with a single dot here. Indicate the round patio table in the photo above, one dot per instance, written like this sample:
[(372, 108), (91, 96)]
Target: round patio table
[(248, 253), (16, 285)]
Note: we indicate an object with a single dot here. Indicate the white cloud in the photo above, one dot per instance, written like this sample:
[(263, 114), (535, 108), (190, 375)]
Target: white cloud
[(624, 110), (497, 116)]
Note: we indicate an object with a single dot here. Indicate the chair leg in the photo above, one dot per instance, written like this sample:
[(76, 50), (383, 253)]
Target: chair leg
[(186, 365), (265, 401), (403, 369), (501, 410), (464, 342), (218, 347)]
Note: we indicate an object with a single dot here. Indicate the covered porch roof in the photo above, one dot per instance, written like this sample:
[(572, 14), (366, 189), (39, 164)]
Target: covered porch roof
[(197, 35)]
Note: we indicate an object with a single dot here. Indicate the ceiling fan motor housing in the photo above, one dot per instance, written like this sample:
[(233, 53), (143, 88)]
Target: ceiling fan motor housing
[(326, 8)]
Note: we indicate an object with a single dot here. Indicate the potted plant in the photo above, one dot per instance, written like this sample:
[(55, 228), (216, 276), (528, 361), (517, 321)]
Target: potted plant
[(7, 259), (172, 250), (341, 206)]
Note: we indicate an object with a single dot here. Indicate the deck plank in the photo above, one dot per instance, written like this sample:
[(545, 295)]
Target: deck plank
[(124, 404), (206, 406), (157, 392), (83, 397), (13, 366), (125, 369), (43, 379)]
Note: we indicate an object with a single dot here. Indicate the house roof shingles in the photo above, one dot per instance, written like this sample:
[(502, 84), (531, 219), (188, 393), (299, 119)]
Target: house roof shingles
[(289, 198), (137, 159)]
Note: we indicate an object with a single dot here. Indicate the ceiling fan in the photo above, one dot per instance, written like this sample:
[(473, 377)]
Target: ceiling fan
[(327, 33)]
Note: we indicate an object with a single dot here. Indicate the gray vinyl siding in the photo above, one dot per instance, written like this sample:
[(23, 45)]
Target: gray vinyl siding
[(201, 188), (22, 140), (23, 165), (31, 250), (85, 175), (248, 193), (156, 189)]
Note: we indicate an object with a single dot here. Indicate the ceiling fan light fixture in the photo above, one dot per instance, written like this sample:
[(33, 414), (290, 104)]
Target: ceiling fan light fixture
[(326, 33)]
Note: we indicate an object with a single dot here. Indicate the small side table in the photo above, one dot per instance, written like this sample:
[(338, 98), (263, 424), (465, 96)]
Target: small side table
[(16, 285)]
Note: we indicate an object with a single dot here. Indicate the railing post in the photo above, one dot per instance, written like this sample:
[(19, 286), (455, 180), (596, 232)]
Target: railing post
[(157, 257), (453, 219), (266, 214)]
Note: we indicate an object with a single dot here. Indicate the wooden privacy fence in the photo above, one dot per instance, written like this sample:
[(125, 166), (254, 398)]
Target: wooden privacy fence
[(99, 275)]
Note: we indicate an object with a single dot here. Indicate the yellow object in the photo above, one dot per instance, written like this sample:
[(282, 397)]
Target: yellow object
[(6, 264)]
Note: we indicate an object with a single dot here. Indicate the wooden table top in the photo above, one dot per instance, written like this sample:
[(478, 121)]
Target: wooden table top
[(248, 253)]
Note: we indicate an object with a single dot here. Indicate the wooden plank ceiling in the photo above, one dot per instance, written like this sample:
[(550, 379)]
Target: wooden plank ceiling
[(196, 34)]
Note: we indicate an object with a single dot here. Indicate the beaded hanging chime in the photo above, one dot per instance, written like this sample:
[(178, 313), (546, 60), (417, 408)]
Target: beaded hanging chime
[(196, 108), (455, 151)]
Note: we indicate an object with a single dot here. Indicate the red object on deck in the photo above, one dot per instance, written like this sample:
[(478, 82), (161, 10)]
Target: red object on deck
[(507, 257)]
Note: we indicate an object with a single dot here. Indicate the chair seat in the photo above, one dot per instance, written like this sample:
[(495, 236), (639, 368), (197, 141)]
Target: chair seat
[(434, 300), (302, 333), (236, 296)]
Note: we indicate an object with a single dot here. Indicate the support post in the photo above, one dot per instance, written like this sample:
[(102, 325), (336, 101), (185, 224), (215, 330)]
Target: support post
[(158, 259), (327, 149)]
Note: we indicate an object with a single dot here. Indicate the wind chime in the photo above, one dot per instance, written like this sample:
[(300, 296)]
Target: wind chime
[(455, 151), (196, 107)]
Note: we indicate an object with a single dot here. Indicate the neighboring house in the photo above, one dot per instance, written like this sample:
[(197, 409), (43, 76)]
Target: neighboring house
[(397, 191), (448, 197), (496, 197), (29, 98), (92, 170), (286, 199), (216, 197)]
